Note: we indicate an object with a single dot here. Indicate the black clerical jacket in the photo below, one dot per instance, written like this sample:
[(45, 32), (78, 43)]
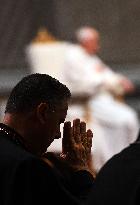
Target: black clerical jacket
[(26, 179)]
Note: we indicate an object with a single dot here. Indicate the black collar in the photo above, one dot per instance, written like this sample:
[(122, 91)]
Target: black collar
[(12, 135)]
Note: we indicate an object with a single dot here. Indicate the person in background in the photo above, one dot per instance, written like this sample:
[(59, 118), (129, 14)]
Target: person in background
[(35, 109), (98, 97)]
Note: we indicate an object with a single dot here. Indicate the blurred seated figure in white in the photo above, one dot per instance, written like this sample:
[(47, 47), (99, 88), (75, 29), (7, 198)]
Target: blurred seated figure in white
[(96, 91), (115, 124)]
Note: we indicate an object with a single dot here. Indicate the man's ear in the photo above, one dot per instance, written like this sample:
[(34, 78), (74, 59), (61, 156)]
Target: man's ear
[(42, 109)]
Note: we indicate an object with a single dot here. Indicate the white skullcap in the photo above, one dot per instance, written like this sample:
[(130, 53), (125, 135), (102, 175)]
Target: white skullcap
[(85, 33)]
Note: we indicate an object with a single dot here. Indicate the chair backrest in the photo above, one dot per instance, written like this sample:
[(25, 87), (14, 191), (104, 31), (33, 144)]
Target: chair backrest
[(46, 57)]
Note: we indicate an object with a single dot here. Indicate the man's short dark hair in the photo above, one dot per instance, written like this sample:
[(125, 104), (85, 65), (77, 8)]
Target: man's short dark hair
[(34, 89)]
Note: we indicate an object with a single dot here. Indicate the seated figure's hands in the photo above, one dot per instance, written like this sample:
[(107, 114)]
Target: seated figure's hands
[(127, 85), (76, 145)]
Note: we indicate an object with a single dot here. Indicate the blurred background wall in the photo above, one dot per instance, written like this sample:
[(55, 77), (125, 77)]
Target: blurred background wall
[(118, 22)]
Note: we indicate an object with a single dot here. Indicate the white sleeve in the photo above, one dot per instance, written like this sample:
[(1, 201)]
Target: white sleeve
[(78, 73)]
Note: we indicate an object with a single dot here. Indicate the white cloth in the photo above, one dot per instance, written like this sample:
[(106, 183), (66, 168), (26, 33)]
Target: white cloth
[(115, 126), (86, 74)]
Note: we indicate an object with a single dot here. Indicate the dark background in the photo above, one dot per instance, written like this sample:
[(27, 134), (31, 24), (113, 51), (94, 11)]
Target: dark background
[(117, 20)]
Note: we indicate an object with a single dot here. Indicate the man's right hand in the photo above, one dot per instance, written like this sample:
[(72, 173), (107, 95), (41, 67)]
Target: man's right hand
[(76, 145)]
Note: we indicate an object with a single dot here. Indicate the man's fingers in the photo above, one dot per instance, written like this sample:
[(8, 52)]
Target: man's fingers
[(89, 139), (66, 140), (83, 130), (76, 130)]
